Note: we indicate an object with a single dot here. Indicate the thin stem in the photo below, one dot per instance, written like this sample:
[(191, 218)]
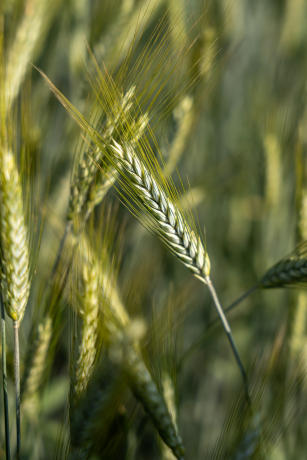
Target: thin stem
[(4, 379), (235, 303), (242, 297), (227, 329), (17, 384), (212, 323)]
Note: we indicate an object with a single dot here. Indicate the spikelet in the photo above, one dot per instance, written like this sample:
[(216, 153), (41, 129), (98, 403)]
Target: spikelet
[(14, 239), (289, 271), (273, 169)]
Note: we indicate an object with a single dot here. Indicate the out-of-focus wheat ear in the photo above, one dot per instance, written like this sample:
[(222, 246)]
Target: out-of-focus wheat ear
[(90, 183), (290, 271), (169, 395), (95, 411), (85, 173), (132, 17), (88, 343), (185, 115), (4, 383), (35, 367), (106, 274), (104, 180), (123, 335), (146, 391), (28, 40)]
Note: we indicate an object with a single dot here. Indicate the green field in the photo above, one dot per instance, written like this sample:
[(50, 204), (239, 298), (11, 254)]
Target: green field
[(150, 150)]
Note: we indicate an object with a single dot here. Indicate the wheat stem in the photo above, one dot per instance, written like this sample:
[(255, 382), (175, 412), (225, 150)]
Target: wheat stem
[(241, 298), (17, 385), (227, 329), (4, 381)]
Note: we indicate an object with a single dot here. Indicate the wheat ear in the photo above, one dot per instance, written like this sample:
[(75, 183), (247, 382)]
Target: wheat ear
[(139, 378), (146, 390), (14, 240), (117, 325), (169, 395), (87, 187), (29, 38), (289, 271), (171, 226), (87, 348), (166, 218), (96, 409), (15, 259), (107, 285), (36, 366)]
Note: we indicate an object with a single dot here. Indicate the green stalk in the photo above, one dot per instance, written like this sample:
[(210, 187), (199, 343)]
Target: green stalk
[(4, 379), (242, 297), (17, 384), (227, 329)]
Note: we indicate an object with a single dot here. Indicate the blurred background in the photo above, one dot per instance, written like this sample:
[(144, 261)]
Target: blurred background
[(231, 122)]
